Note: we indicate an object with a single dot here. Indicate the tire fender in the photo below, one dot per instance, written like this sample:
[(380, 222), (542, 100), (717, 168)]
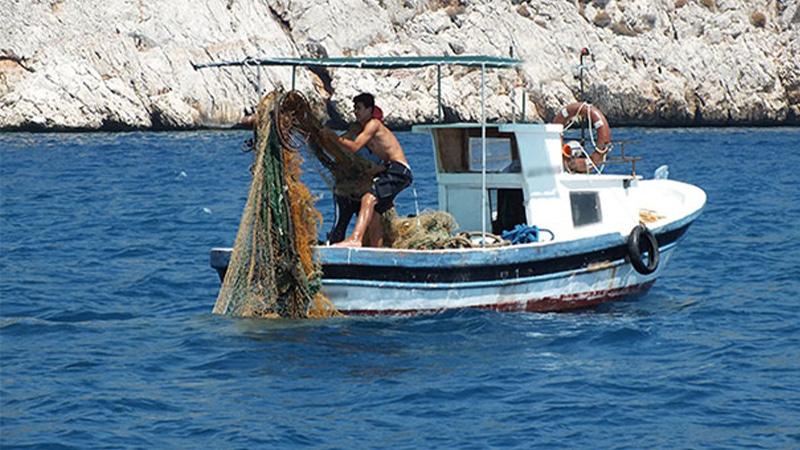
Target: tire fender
[(642, 240)]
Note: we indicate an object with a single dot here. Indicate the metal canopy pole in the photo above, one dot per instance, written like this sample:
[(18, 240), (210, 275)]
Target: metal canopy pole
[(294, 75), (513, 90), (258, 78), (249, 66), (483, 155), (439, 92)]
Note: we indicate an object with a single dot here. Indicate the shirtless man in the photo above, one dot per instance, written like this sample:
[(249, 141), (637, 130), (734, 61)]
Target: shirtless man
[(386, 185)]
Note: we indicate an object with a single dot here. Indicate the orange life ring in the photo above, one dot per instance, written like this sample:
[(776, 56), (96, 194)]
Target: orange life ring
[(599, 122)]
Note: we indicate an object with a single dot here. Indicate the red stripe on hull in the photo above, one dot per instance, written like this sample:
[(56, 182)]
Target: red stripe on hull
[(566, 302)]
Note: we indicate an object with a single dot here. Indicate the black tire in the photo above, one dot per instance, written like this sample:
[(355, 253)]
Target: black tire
[(642, 240)]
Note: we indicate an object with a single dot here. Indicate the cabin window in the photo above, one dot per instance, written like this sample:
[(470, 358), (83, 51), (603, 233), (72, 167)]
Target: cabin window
[(585, 208), (498, 155), (459, 150)]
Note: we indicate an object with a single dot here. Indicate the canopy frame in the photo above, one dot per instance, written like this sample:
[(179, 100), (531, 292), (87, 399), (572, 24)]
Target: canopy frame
[(373, 62)]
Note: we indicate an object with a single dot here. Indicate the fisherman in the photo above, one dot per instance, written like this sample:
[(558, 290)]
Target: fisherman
[(395, 176)]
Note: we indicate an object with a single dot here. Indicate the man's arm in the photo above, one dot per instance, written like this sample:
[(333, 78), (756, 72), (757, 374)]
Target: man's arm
[(352, 131), (361, 140)]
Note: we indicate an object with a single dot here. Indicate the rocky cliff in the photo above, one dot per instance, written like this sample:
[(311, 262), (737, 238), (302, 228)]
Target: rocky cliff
[(122, 64)]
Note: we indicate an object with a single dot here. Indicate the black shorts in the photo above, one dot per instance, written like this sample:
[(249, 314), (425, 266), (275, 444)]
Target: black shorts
[(387, 184)]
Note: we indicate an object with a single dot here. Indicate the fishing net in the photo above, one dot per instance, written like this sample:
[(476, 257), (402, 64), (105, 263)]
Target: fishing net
[(649, 216), (272, 271), (350, 175), (432, 230)]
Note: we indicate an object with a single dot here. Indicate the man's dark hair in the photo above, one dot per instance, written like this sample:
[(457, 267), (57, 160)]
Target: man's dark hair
[(365, 99)]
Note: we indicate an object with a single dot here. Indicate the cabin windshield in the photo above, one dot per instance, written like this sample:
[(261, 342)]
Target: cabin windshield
[(459, 150)]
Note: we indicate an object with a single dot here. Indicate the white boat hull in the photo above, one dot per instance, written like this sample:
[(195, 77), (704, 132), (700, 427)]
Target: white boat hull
[(557, 292)]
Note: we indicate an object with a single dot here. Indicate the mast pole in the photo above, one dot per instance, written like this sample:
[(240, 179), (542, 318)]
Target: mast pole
[(483, 155)]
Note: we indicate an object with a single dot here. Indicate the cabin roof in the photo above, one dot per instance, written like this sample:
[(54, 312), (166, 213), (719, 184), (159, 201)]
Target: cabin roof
[(374, 62), (503, 127), (427, 127)]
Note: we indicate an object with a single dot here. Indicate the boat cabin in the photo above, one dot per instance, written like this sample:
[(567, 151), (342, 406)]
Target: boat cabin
[(525, 181)]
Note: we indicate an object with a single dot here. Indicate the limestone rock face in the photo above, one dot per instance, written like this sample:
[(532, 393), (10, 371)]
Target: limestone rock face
[(114, 64)]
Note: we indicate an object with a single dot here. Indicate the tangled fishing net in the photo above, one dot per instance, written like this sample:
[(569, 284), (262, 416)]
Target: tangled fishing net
[(299, 128), (432, 230), (272, 271)]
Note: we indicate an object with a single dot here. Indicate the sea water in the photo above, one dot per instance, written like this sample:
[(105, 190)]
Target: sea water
[(107, 338)]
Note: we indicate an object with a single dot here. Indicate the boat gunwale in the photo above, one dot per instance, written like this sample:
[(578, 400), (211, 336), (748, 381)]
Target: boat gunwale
[(549, 249), (615, 237)]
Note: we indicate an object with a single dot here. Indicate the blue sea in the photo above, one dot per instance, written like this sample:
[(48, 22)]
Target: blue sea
[(107, 338)]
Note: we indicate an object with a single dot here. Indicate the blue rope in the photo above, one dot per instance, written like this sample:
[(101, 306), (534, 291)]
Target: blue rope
[(522, 234)]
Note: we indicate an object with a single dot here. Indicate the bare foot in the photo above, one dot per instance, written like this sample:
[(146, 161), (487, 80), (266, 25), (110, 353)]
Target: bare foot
[(348, 243)]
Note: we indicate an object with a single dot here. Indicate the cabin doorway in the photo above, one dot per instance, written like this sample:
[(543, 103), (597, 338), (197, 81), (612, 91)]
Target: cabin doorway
[(508, 209)]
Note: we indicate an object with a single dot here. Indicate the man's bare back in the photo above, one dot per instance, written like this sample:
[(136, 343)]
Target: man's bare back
[(384, 144)]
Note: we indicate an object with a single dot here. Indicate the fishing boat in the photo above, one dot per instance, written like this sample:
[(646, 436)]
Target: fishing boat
[(600, 237)]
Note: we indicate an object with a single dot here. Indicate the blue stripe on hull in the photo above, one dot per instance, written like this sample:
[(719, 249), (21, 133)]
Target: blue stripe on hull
[(382, 271)]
